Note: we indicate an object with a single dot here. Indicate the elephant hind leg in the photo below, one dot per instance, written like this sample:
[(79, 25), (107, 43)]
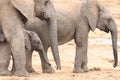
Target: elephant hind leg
[(28, 64)]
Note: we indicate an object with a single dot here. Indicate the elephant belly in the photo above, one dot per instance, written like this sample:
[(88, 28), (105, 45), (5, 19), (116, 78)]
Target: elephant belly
[(64, 39), (66, 22), (65, 34)]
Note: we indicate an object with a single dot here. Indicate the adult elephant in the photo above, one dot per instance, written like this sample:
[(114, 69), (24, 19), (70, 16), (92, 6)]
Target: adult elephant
[(76, 25), (12, 13)]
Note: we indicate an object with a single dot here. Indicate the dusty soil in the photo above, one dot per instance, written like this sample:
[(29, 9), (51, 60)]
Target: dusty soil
[(100, 57)]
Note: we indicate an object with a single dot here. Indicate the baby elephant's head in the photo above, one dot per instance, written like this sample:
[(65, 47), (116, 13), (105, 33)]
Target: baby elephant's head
[(36, 43)]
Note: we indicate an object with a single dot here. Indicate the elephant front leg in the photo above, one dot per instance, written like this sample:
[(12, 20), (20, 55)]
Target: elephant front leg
[(17, 48), (80, 60), (14, 36), (81, 41), (19, 56), (12, 27)]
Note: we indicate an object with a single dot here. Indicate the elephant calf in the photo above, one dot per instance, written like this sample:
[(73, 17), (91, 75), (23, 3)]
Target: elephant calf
[(32, 41)]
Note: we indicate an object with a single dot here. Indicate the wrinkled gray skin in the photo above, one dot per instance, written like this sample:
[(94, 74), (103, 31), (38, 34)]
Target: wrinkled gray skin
[(49, 15), (75, 25), (11, 13), (32, 41)]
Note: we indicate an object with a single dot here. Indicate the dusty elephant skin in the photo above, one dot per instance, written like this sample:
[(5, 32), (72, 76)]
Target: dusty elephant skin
[(49, 15), (32, 41), (11, 13), (76, 25)]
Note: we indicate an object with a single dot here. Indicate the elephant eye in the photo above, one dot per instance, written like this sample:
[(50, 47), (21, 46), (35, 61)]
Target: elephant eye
[(46, 2), (109, 20)]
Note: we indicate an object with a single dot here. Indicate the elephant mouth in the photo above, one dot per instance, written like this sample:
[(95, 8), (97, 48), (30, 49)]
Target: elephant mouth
[(106, 29), (43, 18)]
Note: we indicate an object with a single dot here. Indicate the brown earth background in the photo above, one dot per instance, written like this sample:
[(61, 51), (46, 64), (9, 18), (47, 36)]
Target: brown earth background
[(100, 57)]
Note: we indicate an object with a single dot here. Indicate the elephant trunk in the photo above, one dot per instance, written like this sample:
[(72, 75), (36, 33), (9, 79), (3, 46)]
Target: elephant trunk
[(49, 15), (114, 44), (52, 21), (43, 55), (54, 42)]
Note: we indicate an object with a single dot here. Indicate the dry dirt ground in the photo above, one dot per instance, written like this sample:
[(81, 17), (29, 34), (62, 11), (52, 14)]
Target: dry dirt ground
[(100, 57)]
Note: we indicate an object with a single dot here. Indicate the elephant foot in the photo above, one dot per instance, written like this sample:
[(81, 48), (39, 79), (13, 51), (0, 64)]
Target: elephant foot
[(30, 69), (5, 73), (85, 69), (48, 70), (21, 73), (80, 70)]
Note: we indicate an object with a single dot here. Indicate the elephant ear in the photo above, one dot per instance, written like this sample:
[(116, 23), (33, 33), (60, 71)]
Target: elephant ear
[(92, 13), (26, 7), (27, 42), (34, 37)]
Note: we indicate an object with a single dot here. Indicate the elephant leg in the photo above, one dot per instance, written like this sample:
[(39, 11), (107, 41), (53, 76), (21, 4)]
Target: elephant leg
[(16, 43), (28, 66), (81, 52), (12, 29), (45, 67), (80, 60), (4, 59)]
